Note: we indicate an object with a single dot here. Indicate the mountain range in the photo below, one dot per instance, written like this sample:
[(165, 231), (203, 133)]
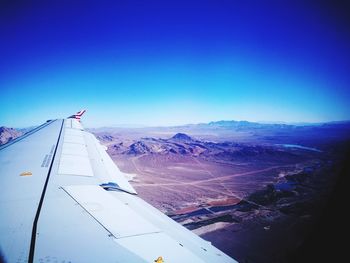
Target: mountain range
[(8, 134)]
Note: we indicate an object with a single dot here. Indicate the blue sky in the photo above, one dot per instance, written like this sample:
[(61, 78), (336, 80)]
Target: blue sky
[(174, 62)]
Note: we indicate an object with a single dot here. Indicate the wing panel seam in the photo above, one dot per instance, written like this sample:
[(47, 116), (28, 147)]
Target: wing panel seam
[(32, 243)]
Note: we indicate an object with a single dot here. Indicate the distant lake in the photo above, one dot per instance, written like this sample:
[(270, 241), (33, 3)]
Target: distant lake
[(300, 147)]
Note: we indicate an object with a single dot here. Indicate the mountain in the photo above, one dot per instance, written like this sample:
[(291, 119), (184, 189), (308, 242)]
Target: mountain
[(181, 137), (138, 147), (8, 134), (257, 126), (183, 145)]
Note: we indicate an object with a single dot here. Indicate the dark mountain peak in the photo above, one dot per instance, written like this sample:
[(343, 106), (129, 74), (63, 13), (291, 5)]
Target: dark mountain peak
[(181, 137), (138, 147), (8, 134), (3, 129)]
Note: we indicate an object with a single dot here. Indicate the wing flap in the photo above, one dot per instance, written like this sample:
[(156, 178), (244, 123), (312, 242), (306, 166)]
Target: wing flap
[(115, 215), (74, 149), (75, 165), (74, 155), (159, 244)]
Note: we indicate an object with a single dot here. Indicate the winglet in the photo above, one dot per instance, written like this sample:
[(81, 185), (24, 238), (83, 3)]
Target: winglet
[(78, 115)]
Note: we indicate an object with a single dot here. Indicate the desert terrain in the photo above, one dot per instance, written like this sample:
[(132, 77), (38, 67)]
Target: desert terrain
[(243, 186)]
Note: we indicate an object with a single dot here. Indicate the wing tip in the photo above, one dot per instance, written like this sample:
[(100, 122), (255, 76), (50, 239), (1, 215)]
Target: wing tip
[(77, 115)]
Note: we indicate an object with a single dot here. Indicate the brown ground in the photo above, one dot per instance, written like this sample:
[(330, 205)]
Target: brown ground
[(213, 189)]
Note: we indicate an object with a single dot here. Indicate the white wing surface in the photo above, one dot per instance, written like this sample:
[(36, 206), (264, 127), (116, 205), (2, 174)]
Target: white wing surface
[(63, 199)]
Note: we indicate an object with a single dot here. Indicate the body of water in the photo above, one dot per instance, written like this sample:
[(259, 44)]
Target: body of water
[(299, 147)]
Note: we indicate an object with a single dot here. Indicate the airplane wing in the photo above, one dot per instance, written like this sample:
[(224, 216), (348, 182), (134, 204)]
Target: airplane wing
[(62, 199)]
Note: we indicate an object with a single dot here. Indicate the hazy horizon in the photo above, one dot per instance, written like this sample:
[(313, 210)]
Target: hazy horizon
[(140, 126)]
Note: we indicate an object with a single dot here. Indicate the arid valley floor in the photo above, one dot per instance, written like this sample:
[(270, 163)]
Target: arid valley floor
[(243, 186)]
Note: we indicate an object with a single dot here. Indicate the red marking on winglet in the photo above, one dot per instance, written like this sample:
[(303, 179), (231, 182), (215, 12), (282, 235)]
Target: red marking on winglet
[(78, 115)]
